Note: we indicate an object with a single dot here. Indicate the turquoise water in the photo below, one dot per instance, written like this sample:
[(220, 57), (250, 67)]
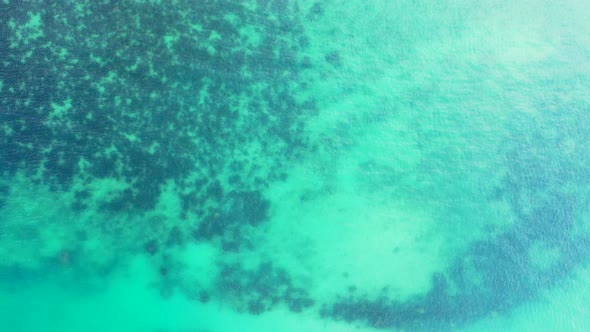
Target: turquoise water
[(273, 165)]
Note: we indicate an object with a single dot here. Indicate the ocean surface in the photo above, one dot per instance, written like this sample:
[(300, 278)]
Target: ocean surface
[(278, 165)]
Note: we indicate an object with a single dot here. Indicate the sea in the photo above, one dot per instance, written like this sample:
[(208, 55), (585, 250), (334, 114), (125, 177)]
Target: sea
[(294, 165)]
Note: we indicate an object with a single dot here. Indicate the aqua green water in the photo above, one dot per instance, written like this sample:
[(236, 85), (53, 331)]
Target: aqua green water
[(279, 165)]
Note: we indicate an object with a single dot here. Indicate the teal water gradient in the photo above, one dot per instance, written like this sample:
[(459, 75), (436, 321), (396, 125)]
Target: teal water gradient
[(294, 166)]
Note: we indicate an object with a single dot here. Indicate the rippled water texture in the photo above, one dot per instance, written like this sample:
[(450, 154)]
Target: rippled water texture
[(274, 165)]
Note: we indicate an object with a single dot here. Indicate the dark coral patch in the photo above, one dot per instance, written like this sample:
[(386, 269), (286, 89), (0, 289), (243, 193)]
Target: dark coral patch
[(151, 247), (239, 210), (129, 96), (262, 289)]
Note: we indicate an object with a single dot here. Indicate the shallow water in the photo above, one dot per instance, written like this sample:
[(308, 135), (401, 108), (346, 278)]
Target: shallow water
[(211, 166)]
